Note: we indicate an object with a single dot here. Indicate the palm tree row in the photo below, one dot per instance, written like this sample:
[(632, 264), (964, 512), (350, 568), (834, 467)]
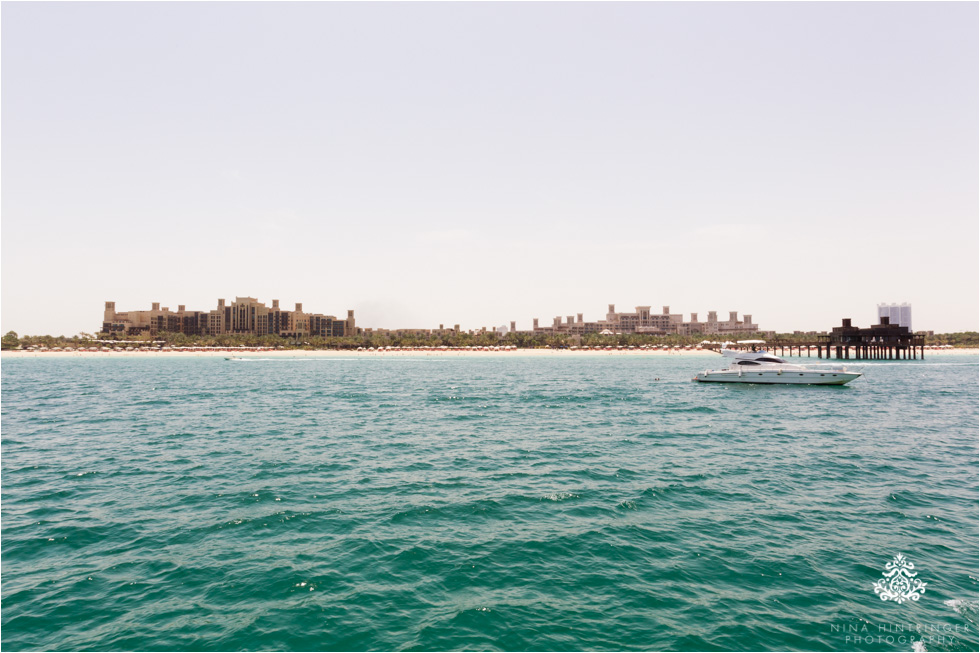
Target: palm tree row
[(521, 340)]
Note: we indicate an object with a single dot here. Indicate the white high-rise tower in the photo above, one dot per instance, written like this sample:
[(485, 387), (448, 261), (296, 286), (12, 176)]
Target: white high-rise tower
[(900, 314)]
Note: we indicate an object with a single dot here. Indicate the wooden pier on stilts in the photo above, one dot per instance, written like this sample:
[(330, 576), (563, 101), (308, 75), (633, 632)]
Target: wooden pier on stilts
[(879, 342)]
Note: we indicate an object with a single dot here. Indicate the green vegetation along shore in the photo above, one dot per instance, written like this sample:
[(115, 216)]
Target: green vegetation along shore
[(966, 339)]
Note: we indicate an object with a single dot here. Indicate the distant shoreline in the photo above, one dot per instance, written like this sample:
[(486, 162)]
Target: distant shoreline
[(400, 353), (354, 353)]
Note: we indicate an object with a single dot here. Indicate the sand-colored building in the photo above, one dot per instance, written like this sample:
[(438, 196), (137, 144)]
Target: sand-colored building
[(244, 315), (643, 320)]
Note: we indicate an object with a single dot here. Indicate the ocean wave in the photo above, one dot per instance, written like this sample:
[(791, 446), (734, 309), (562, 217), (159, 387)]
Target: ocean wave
[(969, 610), (579, 505)]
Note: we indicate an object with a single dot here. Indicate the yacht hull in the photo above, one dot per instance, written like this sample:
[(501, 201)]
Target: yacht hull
[(784, 377)]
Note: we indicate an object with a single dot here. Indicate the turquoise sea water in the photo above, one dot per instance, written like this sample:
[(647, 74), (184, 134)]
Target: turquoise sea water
[(509, 502)]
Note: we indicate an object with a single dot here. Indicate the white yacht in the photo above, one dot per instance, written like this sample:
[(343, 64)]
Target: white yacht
[(763, 367)]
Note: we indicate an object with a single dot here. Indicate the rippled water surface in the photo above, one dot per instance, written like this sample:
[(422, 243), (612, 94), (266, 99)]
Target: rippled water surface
[(506, 502)]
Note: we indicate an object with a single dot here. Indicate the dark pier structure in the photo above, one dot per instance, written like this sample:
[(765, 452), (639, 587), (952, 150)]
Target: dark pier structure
[(879, 342)]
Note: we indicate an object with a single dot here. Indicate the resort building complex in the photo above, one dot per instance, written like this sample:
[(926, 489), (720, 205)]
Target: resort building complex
[(244, 315), (247, 315), (644, 321)]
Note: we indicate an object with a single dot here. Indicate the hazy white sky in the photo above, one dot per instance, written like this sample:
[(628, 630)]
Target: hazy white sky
[(479, 163)]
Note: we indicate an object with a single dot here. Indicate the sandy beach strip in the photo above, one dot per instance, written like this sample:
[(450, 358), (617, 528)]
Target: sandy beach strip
[(353, 353), (396, 353)]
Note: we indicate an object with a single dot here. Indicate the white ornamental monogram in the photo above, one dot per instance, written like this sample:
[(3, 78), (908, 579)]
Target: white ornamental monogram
[(899, 583)]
